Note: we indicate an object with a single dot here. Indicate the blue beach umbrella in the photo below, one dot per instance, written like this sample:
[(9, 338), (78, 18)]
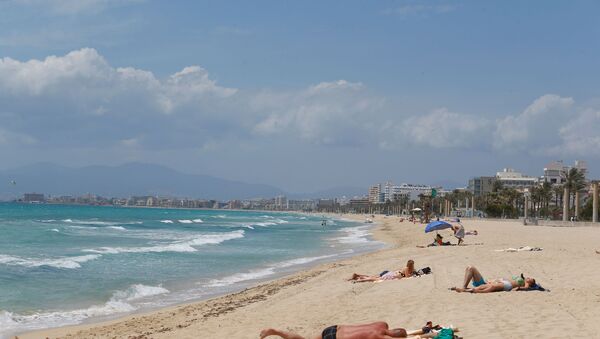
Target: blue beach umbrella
[(436, 226)]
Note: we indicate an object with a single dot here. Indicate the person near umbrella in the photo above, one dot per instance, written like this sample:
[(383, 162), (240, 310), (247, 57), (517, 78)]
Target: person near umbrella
[(459, 232)]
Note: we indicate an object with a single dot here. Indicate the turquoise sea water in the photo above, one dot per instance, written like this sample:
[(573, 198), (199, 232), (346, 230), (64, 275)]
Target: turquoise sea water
[(64, 265)]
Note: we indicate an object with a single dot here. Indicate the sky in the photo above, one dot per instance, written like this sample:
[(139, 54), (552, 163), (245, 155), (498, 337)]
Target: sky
[(303, 95)]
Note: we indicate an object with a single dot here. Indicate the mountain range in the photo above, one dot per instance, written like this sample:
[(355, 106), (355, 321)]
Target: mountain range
[(140, 179)]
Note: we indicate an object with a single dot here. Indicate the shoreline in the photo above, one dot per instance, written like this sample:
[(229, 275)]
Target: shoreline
[(310, 300), (279, 277)]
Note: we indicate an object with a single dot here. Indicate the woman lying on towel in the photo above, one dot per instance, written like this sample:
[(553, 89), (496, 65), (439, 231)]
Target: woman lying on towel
[(406, 272), (480, 285)]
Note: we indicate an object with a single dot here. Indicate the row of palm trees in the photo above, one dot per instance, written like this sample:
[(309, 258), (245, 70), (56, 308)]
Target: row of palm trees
[(543, 201)]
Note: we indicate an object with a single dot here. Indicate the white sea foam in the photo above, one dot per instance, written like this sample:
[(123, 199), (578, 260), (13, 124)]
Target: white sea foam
[(185, 221), (54, 230), (198, 221), (354, 235), (167, 221), (63, 262), (263, 272), (120, 302), (281, 221), (264, 224), (220, 216), (100, 223), (120, 228), (239, 277), (187, 245)]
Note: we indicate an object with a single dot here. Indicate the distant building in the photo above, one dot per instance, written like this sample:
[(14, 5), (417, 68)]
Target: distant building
[(512, 179), (301, 205), (555, 172), (359, 205), (33, 197), (480, 186), (326, 204), (375, 196), (281, 202)]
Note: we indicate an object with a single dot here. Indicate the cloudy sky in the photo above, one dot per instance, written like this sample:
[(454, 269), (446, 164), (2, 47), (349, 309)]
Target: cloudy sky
[(302, 95)]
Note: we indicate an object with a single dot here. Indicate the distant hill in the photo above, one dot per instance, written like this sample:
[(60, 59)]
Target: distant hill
[(125, 180)]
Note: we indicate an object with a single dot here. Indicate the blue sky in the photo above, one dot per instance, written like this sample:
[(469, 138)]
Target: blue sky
[(302, 95)]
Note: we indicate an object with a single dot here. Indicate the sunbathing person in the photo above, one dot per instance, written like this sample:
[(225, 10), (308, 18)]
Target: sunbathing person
[(437, 241), (376, 330), (406, 272), (480, 285)]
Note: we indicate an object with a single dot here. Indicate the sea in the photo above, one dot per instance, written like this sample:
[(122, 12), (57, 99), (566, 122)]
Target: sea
[(64, 264)]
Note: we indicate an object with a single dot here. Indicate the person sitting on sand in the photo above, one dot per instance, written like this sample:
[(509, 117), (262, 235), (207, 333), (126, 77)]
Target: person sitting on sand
[(437, 241), (480, 285), (376, 330), (406, 272)]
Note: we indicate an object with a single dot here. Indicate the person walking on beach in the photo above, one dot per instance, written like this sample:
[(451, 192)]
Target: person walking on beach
[(376, 330)]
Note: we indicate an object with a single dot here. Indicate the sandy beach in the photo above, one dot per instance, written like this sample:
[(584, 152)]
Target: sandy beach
[(308, 301)]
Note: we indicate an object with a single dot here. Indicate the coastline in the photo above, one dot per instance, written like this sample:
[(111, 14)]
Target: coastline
[(279, 277), (307, 301)]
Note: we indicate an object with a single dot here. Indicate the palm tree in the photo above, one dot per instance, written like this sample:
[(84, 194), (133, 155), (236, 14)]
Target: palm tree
[(574, 182)]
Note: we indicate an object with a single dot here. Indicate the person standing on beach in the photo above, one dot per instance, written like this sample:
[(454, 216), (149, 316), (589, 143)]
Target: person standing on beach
[(376, 330), (459, 232)]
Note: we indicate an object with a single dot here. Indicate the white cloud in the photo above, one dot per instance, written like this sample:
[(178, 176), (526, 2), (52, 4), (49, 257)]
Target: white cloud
[(438, 129), (580, 136), (84, 75), (338, 112), (536, 127)]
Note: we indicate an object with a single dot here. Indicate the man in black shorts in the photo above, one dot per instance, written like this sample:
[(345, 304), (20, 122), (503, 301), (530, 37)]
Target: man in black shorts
[(376, 330)]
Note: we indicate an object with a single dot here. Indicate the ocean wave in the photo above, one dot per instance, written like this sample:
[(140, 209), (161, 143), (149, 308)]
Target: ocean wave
[(63, 262), (263, 272), (198, 221), (167, 221), (120, 302), (187, 245), (220, 216), (54, 230), (101, 223), (281, 221), (120, 228), (354, 235), (185, 221)]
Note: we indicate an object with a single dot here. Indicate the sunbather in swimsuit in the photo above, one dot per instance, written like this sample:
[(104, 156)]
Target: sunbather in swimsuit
[(473, 276), (377, 330)]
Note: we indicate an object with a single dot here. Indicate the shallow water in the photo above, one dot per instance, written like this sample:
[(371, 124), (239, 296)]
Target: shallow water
[(62, 265)]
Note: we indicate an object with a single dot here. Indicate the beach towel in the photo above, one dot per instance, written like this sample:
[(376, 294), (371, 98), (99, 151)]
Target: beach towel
[(445, 333), (521, 249)]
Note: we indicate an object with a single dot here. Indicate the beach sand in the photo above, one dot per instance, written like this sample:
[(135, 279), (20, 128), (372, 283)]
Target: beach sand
[(313, 299)]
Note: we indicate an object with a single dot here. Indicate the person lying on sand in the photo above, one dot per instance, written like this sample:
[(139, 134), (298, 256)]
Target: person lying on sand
[(376, 330), (480, 285), (406, 272)]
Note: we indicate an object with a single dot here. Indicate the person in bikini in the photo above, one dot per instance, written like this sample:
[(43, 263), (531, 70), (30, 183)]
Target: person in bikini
[(480, 285), (376, 330), (406, 272)]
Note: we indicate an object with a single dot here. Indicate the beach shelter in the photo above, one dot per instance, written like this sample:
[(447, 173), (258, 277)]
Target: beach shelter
[(436, 226)]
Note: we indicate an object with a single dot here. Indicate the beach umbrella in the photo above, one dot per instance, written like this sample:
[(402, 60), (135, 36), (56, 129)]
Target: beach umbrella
[(436, 226)]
